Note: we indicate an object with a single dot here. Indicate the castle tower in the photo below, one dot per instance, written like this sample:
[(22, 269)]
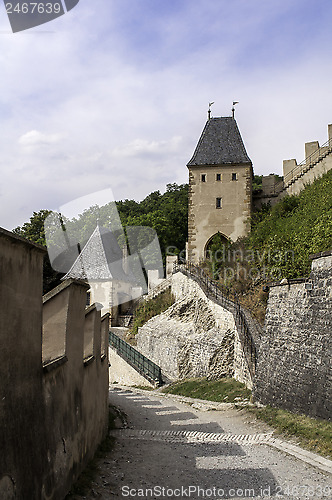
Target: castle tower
[(220, 179)]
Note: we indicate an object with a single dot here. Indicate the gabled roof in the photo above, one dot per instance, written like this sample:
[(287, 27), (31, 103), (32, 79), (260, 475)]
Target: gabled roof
[(100, 259), (220, 143)]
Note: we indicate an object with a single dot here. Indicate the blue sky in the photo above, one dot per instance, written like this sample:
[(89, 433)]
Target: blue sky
[(114, 94)]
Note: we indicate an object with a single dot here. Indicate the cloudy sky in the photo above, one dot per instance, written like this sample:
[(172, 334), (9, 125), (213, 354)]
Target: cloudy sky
[(114, 94)]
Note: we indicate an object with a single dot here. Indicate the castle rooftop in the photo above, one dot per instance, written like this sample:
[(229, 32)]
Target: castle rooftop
[(100, 259), (220, 143)]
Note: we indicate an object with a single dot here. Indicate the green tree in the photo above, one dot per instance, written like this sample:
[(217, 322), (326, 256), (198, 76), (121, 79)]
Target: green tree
[(34, 231)]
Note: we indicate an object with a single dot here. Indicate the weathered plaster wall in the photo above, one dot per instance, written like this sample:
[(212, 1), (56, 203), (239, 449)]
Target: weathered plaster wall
[(194, 338), (294, 362), (75, 387), (53, 404), (23, 458)]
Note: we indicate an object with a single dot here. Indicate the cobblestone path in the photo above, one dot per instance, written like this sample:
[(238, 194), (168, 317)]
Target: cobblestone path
[(171, 449)]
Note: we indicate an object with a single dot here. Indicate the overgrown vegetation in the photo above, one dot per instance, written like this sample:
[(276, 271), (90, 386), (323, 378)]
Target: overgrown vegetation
[(149, 309), (225, 390), (283, 237), (313, 434)]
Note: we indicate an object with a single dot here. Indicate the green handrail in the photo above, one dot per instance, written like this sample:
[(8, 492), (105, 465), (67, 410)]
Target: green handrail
[(136, 359)]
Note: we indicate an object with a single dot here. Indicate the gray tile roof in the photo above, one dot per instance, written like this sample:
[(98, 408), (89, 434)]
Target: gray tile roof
[(220, 144), (100, 259)]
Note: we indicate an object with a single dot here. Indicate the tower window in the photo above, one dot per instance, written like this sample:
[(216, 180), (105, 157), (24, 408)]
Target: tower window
[(203, 178), (218, 177), (218, 202), (88, 299), (234, 176)]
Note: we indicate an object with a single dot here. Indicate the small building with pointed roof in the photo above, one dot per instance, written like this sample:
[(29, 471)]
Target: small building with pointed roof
[(220, 182), (104, 265)]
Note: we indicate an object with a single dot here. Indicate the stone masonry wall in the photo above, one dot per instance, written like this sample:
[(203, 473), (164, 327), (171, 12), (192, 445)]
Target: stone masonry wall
[(194, 338), (294, 362)]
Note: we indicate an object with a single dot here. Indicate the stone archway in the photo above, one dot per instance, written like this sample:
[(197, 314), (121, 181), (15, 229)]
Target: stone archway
[(216, 243)]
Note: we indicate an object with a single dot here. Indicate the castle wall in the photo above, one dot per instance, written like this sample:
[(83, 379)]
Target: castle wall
[(318, 161), (294, 362), (297, 179), (205, 220), (54, 409)]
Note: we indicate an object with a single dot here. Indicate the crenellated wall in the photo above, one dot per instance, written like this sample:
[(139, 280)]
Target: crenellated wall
[(53, 400), (318, 161)]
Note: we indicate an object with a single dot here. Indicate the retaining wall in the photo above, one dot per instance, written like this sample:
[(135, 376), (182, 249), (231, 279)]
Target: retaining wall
[(294, 362)]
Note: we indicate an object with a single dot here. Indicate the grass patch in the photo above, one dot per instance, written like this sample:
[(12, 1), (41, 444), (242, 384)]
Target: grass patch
[(84, 481), (225, 390), (151, 308), (311, 433)]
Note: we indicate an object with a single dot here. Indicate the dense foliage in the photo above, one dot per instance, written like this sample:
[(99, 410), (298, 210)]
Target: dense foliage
[(298, 226), (167, 213)]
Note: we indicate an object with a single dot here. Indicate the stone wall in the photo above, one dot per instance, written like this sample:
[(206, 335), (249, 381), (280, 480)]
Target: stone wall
[(294, 361), (195, 337), (318, 161), (53, 401)]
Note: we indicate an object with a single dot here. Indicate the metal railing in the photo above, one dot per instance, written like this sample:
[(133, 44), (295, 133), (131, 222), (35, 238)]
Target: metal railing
[(137, 360), (229, 300)]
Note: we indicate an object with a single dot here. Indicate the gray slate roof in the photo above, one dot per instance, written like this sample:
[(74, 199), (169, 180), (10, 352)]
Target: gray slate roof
[(100, 259), (220, 143)]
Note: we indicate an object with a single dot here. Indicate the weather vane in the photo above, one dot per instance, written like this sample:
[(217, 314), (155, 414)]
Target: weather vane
[(233, 108), (209, 111)]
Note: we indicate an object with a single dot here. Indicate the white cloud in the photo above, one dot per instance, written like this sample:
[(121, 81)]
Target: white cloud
[(117, 95), (33, 138), (143, 147)]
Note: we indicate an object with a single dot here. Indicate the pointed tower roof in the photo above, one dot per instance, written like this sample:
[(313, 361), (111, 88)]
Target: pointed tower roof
[(100, 259), (220, 144)]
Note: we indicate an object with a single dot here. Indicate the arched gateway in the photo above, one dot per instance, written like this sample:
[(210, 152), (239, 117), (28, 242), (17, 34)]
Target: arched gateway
[(220, 180), (214, 244)]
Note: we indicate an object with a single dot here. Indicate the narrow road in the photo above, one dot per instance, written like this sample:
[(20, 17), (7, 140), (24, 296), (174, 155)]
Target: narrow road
[(170, 449)]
